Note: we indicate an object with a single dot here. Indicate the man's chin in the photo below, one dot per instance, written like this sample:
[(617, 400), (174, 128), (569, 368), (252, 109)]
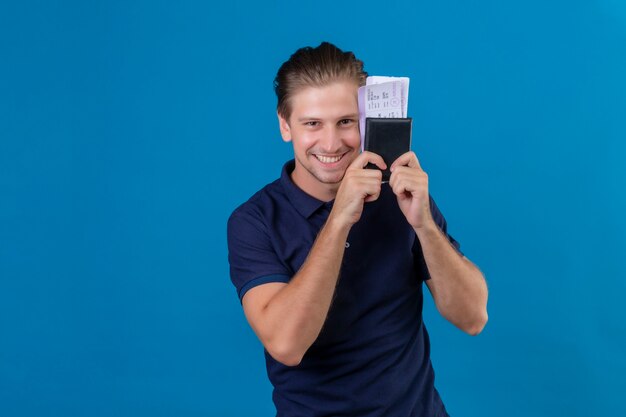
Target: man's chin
[(329, 179)]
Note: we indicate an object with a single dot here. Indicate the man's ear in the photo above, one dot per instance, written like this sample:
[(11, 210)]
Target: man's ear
[(285, 130)]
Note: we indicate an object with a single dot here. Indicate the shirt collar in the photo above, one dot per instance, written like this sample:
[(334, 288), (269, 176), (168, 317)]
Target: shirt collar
[(303, 202)]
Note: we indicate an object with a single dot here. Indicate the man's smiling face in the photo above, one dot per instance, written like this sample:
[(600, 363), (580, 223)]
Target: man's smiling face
[(324, 130)]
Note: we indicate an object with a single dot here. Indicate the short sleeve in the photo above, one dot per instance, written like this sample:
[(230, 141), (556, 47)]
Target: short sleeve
[(440, 220), (253, 260)]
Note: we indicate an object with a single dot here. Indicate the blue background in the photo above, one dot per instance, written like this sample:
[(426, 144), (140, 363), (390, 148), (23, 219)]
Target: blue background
[(130, 130)]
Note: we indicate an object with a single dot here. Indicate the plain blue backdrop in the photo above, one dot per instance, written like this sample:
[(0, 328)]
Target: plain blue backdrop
[(130, 130)]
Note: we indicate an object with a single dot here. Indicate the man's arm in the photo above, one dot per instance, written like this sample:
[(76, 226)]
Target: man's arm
[(456, 284), (288, 318), (458, 287)]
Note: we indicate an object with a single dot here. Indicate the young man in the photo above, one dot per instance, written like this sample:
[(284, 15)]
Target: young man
[(329, 262)]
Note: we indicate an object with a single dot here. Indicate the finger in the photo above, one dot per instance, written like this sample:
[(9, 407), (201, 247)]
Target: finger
[(401, 172), (368, 174), (372, 192), (406, 159), (372, 197), (357, 177), (367, 157), (405, 180), (398, 187), (366, 184)]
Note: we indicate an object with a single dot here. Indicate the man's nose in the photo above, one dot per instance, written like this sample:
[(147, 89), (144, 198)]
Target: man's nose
[(330, 141)]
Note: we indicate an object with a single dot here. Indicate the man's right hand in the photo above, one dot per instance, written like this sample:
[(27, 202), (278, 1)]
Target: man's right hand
[(359, 185)]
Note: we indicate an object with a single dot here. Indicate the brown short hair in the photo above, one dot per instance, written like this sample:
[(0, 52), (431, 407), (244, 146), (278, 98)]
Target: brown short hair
[(315, 67)]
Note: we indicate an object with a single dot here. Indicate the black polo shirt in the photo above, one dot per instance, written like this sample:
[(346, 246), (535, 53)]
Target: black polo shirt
[(372, 357)]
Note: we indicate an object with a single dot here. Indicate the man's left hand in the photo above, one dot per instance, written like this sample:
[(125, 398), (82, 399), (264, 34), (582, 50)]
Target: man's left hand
[(410, 184)]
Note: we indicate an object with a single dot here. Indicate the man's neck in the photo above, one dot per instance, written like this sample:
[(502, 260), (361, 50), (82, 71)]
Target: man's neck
[(323, 192)]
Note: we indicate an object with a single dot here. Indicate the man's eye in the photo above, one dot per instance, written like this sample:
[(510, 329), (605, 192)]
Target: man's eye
[(346, 121), (311, 123)]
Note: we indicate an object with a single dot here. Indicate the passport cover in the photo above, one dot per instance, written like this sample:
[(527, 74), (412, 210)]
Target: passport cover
[(389, 138)]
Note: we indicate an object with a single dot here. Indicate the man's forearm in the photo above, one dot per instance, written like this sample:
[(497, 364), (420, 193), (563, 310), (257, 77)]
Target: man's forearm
[(298, 311), (458, 287)]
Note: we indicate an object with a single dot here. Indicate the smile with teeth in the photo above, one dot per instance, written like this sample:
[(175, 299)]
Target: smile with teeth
[(328, 159)]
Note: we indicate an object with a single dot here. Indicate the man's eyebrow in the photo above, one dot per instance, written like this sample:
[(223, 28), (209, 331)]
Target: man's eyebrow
[(347, 116)]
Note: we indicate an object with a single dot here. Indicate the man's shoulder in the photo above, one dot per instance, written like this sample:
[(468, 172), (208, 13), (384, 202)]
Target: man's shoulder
[(256, 207)]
